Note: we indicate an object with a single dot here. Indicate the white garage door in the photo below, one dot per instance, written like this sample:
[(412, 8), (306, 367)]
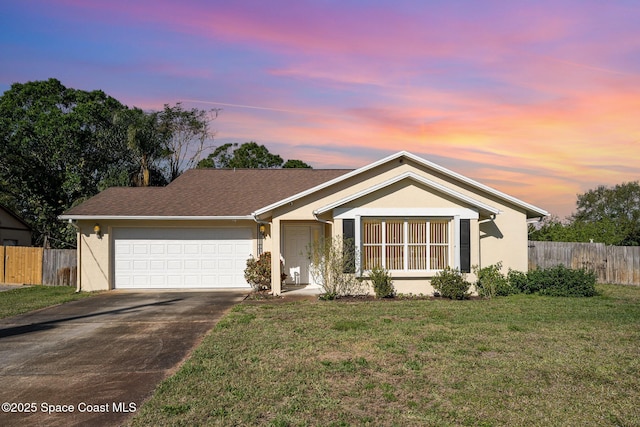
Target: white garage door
[(181, 258)]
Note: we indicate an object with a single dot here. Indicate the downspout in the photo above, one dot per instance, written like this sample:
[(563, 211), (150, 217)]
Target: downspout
[(79, 260), (261, 222), (275, 265), (315, 215), (491, 218)]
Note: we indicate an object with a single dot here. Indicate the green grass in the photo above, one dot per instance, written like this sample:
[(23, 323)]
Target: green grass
[(519, 360), (23, 300)]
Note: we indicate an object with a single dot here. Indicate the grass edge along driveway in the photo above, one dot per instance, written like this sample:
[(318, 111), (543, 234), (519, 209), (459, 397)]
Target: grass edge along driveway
[(518, 360), (29, 298)]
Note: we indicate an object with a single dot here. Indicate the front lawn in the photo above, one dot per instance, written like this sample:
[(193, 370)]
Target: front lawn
[(519, 360), (22, 300)]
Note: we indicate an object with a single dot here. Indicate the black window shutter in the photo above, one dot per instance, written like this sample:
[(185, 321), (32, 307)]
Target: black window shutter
[(465, 246), (349, 245)]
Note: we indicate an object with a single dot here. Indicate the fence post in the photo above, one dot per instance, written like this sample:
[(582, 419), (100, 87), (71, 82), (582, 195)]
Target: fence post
[(2, 262)]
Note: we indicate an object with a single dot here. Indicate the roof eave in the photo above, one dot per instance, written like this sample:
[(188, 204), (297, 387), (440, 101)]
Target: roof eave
[(155, 217), (536, 213)]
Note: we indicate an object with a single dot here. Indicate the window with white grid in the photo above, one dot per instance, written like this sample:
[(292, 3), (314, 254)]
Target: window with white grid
[(405, 244)]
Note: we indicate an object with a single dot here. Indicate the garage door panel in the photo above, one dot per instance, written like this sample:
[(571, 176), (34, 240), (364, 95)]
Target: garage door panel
[(141, 248), (225, 265), (157, 249), (124, 264), (141, 281), (157, 281), (125, 281), (125, 250), (174, 281), (191, 249), (174, 249), (181, 258), (174, 264), (192, 264), (225, 249), (209, 265), (139, 265), (209, 249)]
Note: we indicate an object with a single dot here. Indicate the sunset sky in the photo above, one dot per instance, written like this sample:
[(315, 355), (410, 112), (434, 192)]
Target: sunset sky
[(539, 99)]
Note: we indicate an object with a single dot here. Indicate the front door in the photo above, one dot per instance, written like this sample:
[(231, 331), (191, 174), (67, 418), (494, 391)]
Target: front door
[(297, 240)]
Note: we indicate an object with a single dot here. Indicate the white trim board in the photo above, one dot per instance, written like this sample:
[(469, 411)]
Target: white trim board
[(462, 213)]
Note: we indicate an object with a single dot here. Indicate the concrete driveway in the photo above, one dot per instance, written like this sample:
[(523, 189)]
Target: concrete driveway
[(95, 361)]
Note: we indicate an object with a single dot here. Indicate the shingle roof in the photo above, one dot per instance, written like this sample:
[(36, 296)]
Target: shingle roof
[(206, 192)]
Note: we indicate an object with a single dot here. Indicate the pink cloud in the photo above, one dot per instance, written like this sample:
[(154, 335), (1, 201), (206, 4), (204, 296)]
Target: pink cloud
[(546, 94), (375, 31)]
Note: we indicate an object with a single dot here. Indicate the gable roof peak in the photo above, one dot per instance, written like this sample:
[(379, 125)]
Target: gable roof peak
[(532, 211)]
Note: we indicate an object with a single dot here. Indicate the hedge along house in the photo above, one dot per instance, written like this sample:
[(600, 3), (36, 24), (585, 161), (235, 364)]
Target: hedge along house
[(406, 214)]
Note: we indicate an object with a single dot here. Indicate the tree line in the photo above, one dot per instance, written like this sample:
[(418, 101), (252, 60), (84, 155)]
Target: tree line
[(609, 215), (61, 146)]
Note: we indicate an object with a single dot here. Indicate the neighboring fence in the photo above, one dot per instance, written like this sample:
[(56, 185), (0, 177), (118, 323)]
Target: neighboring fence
[(59, 267), (612, 264), (21, 265), (35, 266)]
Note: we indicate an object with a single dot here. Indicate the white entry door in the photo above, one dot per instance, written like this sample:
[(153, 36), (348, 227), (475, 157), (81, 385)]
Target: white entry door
[(297, 242), (181, 257)]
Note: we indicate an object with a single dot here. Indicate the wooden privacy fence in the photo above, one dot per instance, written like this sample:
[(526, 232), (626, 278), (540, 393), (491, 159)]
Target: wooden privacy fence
[(21, 265), (35, 266), (612, 264), (59, 267)]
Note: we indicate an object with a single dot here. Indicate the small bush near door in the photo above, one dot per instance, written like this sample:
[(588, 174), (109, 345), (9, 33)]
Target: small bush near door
[(258, 272), (328, 258)]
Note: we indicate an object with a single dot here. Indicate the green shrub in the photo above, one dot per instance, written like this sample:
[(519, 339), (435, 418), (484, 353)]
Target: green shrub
[(518, 281), (451, 283), (382, 283), (491, 282), (258, 272), (330, 257), (560, 281)]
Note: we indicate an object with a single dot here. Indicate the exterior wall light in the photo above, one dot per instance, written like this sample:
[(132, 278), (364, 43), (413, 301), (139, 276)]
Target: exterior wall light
[(97, 230)]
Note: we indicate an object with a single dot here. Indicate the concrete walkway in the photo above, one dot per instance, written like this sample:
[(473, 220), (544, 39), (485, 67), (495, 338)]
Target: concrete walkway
[(306, 290), (95, 361)]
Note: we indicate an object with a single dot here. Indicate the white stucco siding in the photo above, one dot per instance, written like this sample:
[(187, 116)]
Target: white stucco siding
[(93, 258), (495, 237), (504, 239)]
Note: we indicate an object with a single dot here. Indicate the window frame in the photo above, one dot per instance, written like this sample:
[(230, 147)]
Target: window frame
[(389, 246)]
